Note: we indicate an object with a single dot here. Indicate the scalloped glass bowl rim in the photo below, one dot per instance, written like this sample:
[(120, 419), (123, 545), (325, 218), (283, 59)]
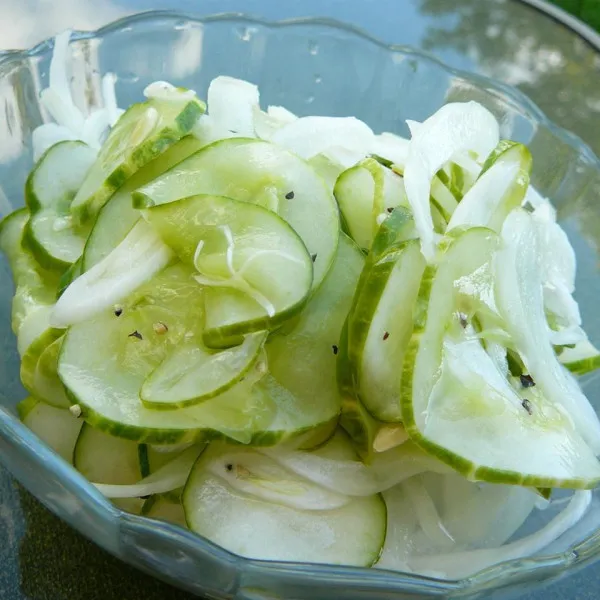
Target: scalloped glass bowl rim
[(506, 572)]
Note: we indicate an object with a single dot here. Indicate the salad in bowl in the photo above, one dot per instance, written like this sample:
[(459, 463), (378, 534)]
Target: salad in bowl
[(299, 338)]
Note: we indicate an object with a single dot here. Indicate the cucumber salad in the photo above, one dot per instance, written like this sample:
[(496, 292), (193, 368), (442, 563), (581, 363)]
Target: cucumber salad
[(300, 339)]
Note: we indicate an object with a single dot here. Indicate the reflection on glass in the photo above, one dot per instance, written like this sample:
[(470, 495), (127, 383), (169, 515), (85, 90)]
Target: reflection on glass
[(522, 47)]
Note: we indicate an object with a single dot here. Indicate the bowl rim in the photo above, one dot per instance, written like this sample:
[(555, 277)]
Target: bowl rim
[(507, 573)]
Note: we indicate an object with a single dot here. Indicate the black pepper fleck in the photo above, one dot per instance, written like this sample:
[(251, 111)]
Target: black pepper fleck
[(136, 334), (527, 406), (390, 209), (118, 312), (335, 349), (290, 195), (526, 381), (229, 467), (386, 335), (314, 257)]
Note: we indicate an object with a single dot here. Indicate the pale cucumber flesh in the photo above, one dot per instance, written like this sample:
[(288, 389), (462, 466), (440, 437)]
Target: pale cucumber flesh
[(264, 174), (57, 427), (142, 133), (106, 377), (459, 407), (117, 217), (254, 527), (50, 233), (235, 245)]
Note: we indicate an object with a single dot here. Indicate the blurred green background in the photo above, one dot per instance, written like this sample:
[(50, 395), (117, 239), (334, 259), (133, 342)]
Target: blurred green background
[(586, 10)]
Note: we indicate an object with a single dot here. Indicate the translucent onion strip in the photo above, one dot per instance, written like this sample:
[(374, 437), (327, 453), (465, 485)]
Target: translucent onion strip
[(462, 564), (171, 476)]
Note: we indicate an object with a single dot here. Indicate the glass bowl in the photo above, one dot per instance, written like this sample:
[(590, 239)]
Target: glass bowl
[(311, 67)]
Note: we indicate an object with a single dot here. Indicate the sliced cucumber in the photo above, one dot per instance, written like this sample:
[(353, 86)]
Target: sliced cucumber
[(261, 173), (45, 380), (143, 132), (381, 317), (354, 417), (70, 275), (192, 373), (238, 246), (117, 217), (34, 288), (328, 169), (163, 508), (302, 362), (103, 458), (254, 523), (520, 300), (50, 188), (105, 377), (56, 427), (364, 192), (583, 358), (30, 364), (459, 407)]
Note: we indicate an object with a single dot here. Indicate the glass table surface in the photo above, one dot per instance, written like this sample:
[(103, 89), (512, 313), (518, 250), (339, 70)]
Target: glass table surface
[(544, 55)]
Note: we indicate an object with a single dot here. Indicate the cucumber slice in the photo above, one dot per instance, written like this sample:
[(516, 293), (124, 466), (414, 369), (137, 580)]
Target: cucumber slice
[(363, 193), (239, 246), (261, 173), (46, 383), (328, 169), (248, 524), (460, 408), (34, 380), (34, 288), (103, 458), (193, 373), (500, 187), (56, 427), (354, 418), (583, 358), (105, 377), (381, 317), (117, 217), (302, 362), (520, 300), (70, 275), (163, 508), (142, 133), (50, 188)]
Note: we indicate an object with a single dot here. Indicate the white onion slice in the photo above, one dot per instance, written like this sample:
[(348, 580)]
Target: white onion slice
[(262, 477), (462, 564), (353, 478), (309, 136), (454, 128), (282, 114), (391, 146), (481, 202), (231, 105), (135, 260), (48, 134), (169, 477), (520, 300), (427, 514)]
